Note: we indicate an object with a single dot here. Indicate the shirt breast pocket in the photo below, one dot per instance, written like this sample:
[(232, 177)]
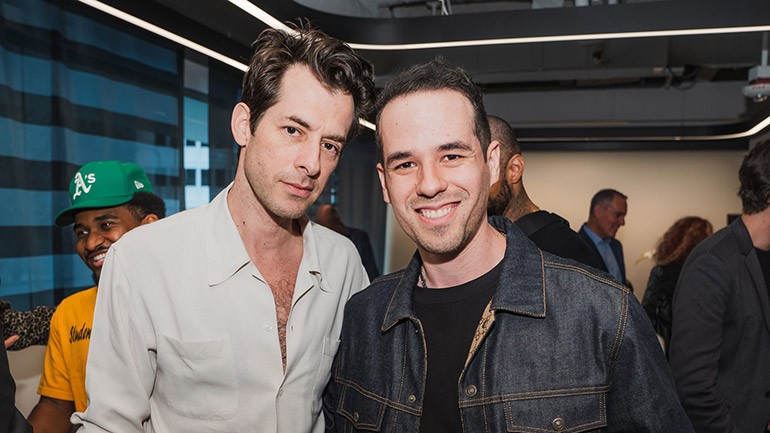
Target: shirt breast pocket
[(324, 371), (563, 411), (197, 378)]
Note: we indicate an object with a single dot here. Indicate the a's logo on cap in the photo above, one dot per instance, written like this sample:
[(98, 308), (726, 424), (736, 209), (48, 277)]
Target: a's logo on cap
[(138, 185), (80, 184)]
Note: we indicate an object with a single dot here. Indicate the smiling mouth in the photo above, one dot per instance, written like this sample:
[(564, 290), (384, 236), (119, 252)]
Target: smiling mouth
[(436, 213), (98, 258)]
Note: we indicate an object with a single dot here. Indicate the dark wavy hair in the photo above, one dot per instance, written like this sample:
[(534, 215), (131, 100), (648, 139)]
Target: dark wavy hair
[(436, 75), (679, 240), (754, 176), (332, 62)]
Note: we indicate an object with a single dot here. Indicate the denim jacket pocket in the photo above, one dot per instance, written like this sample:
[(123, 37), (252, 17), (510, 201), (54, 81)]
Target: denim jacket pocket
[(360, 408), (562, 411), (197, 379)]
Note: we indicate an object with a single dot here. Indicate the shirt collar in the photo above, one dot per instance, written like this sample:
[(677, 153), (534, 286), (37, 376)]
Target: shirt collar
[(594, 237), (226, 255), (520, 290)]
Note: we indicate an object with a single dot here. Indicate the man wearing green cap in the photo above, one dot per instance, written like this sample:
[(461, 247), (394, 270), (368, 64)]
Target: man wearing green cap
[(108, 199)]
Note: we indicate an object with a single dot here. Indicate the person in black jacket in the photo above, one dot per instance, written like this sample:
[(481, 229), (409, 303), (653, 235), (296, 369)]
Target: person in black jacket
[(507, 197), (720, 338), (11, 420), (670, 254)]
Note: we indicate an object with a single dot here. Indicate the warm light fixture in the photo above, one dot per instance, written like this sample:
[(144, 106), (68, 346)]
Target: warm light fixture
[(272, 22), (165, 34), (558, 38)]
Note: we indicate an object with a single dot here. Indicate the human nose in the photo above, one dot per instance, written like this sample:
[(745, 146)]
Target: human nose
[(309, 160), (431, 181), (94, 240)]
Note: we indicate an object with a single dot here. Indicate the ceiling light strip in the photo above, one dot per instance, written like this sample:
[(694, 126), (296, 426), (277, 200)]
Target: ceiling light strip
[(165, 34), (748, 133), (252, 9), (559, 38), (269, 20)]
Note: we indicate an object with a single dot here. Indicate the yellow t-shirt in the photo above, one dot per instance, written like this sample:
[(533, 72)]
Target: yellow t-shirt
[(64, 371)]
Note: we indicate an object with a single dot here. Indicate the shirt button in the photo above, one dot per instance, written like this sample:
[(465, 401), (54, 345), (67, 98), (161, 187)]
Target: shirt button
[(268, 328), (411, 398), (470, 390), (558, 424), (280, 392), (355, 416)]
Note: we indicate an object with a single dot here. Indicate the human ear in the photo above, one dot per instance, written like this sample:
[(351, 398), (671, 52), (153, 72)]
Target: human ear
[(149, 218), (383, 184), (240, 124), (515, 169), (493, 161)]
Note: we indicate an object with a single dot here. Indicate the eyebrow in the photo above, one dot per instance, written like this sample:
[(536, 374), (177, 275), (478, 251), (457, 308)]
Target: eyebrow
[(100, 218), (397, 156), (338, 138), (455, 145)]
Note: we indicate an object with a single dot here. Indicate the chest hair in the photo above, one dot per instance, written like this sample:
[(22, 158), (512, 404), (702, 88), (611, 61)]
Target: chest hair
[(280, 273)]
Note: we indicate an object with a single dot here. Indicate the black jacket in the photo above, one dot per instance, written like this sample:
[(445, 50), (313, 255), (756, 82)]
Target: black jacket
[(11, 421), (720, 342)]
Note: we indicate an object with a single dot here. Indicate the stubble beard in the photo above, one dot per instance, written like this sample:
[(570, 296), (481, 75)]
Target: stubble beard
[(498, 203)]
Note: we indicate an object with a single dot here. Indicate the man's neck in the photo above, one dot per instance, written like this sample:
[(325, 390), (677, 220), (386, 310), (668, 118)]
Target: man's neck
[(519, 206), (595, 230), (758, 225), (257, 228), (482, 253)]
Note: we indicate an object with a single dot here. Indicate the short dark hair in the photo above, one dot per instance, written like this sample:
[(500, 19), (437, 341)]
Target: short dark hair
[(436, 75), (332, 62), (501, 131), (145, 203), (605, 196), (754, 176)]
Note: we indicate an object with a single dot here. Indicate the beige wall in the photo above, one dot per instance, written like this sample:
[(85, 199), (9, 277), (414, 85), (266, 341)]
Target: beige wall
[(661, 186), (26, 366)]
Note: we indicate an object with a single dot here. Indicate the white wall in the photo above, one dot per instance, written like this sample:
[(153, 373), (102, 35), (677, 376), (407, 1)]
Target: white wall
[(661, 187), (26, 366)]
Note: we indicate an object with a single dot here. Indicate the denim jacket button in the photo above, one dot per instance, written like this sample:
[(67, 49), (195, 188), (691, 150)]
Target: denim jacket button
[(411, 398), (558, 424), (470, 390), (355, 416)]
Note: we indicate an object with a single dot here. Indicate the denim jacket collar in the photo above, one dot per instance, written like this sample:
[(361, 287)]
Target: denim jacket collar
[(523, 264)]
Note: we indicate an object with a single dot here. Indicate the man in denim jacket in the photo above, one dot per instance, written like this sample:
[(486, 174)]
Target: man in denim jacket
[(483, 332)]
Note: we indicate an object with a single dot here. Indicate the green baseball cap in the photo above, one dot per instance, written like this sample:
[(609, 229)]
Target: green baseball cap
[(103, 184)]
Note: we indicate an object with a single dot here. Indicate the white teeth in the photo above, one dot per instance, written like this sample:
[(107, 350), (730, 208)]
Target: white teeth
[(99, 257), (431, 214)]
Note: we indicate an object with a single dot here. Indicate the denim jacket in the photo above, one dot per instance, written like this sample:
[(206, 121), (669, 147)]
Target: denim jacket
[(560, 348)]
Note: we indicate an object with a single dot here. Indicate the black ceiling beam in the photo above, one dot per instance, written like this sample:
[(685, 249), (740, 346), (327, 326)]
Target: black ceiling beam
[(646, 16)]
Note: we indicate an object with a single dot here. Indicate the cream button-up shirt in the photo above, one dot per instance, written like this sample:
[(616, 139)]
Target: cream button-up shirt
[(185, 339)]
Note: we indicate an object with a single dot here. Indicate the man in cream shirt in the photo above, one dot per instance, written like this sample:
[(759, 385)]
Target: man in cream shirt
[(227, 317)]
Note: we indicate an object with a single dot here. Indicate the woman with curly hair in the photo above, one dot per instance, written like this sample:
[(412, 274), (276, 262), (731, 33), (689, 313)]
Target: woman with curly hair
[(673, 249)]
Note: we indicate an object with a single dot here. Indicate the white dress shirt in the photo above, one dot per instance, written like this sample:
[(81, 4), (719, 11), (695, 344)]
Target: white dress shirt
[(185, 339)]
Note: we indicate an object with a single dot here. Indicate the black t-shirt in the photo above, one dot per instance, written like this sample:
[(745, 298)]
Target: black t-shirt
[(449, 320), (764, 263)]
